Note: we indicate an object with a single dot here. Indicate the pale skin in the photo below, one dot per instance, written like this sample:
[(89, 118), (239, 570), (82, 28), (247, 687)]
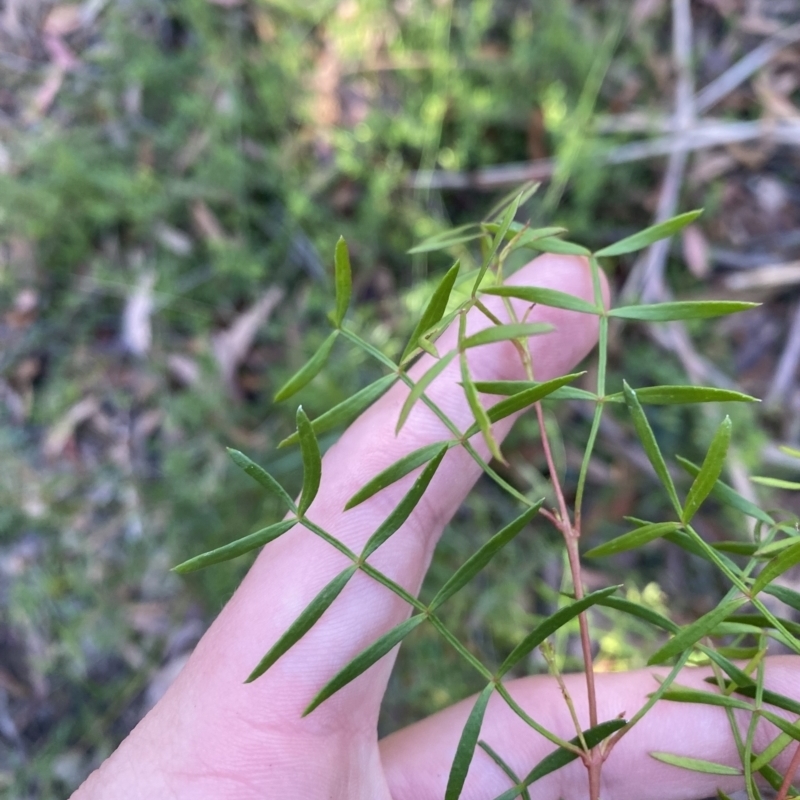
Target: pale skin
[(213, 736)]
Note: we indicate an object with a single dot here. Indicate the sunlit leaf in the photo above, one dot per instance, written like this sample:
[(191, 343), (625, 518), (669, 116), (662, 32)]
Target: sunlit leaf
[(404, 508), (561, 757), (466, 745), (646, 237), (478, 411), (777, 566), (346, 411), (633, 539), (398, 470), (679, 395), (544, 297), (502, 333), (261, 476), (697, 764), (728, 496), (651, 449), (364, 660), (434, 311), (420, 386), (343, 280), (776, 483), (300, 627), (483, 556), (691, 634), (312, 461), (552, 244), (308, 372), (235, 549), (681, 310), (551, 625), (710, 470)]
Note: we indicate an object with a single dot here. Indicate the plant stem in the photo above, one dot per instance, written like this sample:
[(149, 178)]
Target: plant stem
[(794, 765)]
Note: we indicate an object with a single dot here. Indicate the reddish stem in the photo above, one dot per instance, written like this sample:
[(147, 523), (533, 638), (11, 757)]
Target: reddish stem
[(794, 765)]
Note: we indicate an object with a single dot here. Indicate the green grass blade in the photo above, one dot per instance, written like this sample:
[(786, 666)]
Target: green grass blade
[(441, 241), (679, 395), (552, 244), (495, 756), (785, 595), (303, 624), (466, 745), (364, 660), (776, 483), (710, 470), (651, 449), (464, 574), (679, 694), (307, 372), (691, 634), (777, 566), (681, 310), (312, 461), (728, 496), (398, 470), (343, 280), (633, 539), (434, 311), (235, 549), (502, 333), (261, 476), (482, 420), (551, 625), (642, 239), (560, 758), (346, 411), (544, 297), (696, 764), (401, 512), (420, 386)]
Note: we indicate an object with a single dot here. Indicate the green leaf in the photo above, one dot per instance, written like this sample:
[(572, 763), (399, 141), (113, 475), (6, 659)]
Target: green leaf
[(237, 548), (507, 388), (478, 411), (420, 386), (364, 660), (483, 556), (466, 745), (761, 621), (728, 496), (495, 756), (502, 333), (737, 548), (398, 470), (308, 372), (789, 728), (401, 512), (773, 698), (561, 757), (777, 566), (544, 297), (434, 311), (552, 244), (343, 280), (441, 241), (710, 471), (697, 764), (312, 461), (551, 625), (691, 634), (505, 223), (681, 310), (303, 624), (679, 395), (525, 236), (643, 613), (633, 539), (785, 595), (572, 393), (680, 694), (663, 230), (722, 796), (648, 440), (777, 483), (346, 411), (260, 475)]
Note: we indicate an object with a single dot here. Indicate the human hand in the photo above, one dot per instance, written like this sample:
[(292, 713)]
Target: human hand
[(212, 736)]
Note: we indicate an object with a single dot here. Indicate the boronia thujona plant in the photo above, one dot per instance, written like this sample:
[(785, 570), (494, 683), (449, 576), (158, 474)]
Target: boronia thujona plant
[(732, 637)]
